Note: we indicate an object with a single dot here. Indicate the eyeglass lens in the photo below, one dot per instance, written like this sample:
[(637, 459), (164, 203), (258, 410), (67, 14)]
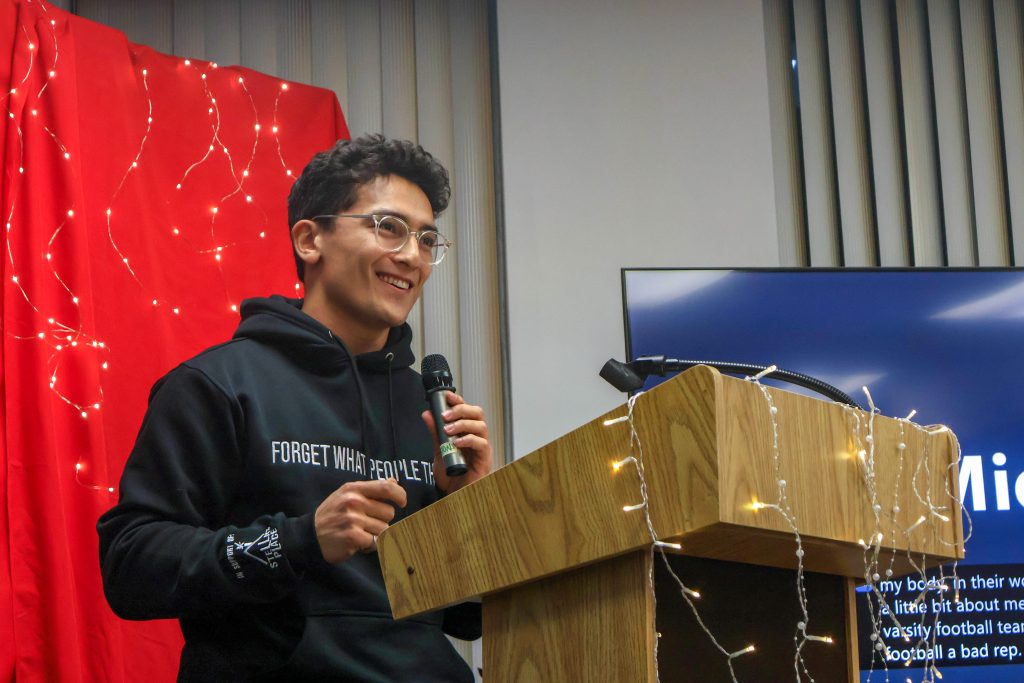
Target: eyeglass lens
[(393, 233)]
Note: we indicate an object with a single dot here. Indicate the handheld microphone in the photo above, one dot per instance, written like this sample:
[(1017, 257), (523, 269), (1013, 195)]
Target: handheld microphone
[(437, 379)]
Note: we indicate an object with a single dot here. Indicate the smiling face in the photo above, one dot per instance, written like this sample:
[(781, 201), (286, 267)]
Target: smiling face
[(353, 285)]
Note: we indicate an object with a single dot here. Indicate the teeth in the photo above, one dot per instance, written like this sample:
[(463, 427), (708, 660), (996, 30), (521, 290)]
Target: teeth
[(401, 284)]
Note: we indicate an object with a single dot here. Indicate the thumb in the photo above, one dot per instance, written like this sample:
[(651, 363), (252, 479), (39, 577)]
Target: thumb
[(428, 419)]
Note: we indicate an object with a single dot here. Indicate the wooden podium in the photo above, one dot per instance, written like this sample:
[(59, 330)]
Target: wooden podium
[(563, 570)]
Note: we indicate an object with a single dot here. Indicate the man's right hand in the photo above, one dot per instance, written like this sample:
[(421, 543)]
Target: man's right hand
[(350, 519)]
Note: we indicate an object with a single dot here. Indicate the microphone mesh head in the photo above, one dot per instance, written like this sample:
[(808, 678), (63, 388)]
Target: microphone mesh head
[(434, 363)]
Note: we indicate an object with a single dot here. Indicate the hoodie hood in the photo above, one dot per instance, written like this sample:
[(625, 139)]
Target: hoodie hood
[(280, 322)]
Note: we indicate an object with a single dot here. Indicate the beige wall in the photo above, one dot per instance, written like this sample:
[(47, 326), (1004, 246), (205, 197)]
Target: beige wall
[(632, 134)]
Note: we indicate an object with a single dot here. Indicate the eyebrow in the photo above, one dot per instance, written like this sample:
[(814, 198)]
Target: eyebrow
[(399, 214)]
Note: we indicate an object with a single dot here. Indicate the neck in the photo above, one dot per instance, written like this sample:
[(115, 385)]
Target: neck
[(357, 338)]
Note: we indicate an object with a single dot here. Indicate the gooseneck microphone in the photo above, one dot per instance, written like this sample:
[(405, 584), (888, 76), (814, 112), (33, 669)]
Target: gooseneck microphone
[(437, 379)]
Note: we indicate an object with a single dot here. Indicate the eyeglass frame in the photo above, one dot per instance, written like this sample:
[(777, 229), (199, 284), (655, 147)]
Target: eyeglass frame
[(444, 242)]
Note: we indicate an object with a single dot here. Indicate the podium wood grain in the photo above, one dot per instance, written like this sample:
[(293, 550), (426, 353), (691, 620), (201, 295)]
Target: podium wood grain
[(557, 629), (707, 447)]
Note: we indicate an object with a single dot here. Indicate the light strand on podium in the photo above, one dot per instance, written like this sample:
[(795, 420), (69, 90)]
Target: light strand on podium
[(688, 594), (872, 551), (784, 509), (866, 461)]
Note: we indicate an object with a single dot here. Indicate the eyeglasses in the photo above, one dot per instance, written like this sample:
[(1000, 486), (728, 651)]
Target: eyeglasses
[(392, 234)]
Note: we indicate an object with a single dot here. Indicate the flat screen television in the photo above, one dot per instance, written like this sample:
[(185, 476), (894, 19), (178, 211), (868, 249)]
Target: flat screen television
[(944, 342)]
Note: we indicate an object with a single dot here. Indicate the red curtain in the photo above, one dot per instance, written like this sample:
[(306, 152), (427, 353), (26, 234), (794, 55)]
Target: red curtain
[(143, 197)]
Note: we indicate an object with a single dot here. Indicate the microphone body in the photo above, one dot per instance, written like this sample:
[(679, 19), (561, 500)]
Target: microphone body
[(437, 379)]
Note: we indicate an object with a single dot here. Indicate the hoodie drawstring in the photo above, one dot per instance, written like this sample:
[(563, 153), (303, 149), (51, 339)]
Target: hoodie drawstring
[(360, 390), (391, 412)]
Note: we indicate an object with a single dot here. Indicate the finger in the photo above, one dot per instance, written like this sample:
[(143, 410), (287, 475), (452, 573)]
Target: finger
[(454, 399), (472, 442), (428, 419), (464, 410), (385, 490), (370, 525), (379, 510), (367, 542), (466, 427)]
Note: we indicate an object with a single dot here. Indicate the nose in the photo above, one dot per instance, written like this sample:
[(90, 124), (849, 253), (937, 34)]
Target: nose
[(410, 251)]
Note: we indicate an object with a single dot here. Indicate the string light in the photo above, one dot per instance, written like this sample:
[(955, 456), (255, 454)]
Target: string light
[(616, 466), (688, 594), (785, 510), (873, 547), (79, 468), (63, 336), (747, 650)]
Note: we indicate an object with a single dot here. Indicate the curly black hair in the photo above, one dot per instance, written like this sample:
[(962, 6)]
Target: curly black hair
[(330, 182)]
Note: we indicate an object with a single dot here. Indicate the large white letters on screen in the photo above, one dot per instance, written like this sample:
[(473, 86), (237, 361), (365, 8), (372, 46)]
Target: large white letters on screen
[(972, 483)]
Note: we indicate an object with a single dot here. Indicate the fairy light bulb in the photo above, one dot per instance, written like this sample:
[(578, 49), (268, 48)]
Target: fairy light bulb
[(616, 466), (739, 653)]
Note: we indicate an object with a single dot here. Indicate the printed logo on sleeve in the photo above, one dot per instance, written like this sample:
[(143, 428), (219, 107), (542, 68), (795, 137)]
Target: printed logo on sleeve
[(265, 549)]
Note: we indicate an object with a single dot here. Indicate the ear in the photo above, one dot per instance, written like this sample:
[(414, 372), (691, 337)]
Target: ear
[(305, 234)]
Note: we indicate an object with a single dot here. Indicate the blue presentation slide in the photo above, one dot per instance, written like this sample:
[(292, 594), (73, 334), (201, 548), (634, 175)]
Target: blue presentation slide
[(946, 343)]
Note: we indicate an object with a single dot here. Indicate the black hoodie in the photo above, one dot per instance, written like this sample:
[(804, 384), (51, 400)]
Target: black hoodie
[(214, 525)]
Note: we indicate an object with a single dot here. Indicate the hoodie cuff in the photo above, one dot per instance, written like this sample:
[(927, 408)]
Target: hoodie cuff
[(300, 543)]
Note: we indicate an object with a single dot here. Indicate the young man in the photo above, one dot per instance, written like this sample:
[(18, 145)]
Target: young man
[(267, 466)]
